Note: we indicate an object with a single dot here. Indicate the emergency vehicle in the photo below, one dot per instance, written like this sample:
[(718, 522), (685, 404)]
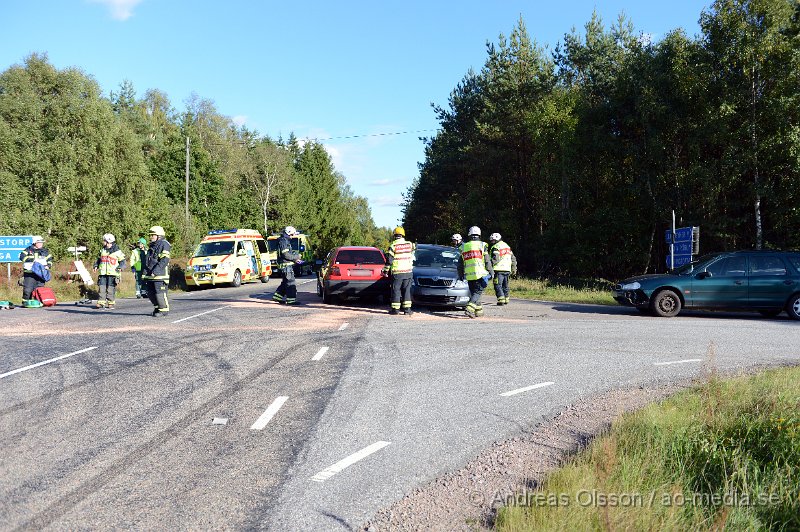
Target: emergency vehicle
[(229, 256), (299, 244)]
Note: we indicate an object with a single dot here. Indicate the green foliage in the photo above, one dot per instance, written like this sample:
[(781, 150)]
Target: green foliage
[(578, 158), (75, 165)]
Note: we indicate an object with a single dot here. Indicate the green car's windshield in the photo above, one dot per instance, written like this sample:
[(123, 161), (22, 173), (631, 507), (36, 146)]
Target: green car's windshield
[(210, 249), (696, 264)]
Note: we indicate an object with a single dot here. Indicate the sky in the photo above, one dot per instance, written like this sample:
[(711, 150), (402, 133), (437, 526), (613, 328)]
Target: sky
[(358, 76)]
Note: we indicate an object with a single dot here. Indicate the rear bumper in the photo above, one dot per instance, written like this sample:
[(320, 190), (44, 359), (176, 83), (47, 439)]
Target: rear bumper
[(357, 288)]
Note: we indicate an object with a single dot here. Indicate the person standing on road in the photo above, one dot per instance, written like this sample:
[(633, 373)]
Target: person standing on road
[(400, 259), (155, 271), (109, 265), (287, 258), (504, 263), (476, 267), (35, 253), (137, 259), (456, 240)]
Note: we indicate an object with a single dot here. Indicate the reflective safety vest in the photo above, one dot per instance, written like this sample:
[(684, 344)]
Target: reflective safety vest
[(137, 258), (402, 253), (502, 262), (472, 252), (109, 261)]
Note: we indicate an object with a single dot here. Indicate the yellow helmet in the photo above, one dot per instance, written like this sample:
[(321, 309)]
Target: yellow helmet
[(157, 230), (399, 231)]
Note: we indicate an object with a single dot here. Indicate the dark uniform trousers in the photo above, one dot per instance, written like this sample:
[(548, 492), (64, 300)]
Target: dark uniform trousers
[(401, 290), (157, 292), (29, 283), (287, 291)]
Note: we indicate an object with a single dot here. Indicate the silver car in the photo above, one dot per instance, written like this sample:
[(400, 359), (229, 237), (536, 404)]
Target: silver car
[(436, 282)]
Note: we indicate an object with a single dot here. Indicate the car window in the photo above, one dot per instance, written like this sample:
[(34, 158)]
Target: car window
[(262, 246), (360, 256), (729, 267), (210, 249), (794, 260), (436, 258), (767, 265)]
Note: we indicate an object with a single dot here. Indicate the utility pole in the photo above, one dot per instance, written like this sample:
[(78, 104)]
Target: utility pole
[(187, 179)]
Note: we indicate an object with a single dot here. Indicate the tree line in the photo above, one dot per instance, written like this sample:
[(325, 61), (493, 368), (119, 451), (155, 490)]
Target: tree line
[(75, 164), (579, 155)]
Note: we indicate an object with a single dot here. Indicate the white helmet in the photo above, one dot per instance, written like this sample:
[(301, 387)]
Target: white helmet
[(157, 230), (474, 231), (108, 237), (456, 237), (38, 238), (289, 230), (495, 237)]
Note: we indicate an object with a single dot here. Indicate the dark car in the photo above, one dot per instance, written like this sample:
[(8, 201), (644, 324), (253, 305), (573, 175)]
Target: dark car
[(436, 281), (352, 271), (764, 281)]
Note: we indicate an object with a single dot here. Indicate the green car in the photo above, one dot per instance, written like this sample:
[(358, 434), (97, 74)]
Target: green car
[(764, 281)]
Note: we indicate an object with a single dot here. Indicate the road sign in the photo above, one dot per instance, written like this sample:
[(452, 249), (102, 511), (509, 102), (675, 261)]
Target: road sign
[(12, 246), (686, 243)]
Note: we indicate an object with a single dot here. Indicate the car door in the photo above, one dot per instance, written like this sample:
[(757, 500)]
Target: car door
[(770, 282), (722, 284)]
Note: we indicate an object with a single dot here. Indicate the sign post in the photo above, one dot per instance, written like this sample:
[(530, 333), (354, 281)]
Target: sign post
[(11, 247)]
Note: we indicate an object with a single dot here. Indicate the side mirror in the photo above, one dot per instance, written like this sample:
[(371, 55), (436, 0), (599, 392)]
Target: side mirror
[(704, 275)]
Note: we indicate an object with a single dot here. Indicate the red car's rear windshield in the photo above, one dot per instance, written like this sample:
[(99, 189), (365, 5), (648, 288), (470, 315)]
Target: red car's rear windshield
[(359, 256)]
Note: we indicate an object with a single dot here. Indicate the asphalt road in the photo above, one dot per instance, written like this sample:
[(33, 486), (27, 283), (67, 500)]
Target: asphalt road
[(238, 413)]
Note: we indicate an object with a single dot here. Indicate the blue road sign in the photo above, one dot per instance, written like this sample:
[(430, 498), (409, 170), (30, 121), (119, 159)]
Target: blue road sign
[(682, 234), (680, 260), (12, 246), (683, 247)]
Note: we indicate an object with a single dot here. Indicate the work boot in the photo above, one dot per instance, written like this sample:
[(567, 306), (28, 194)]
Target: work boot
[(478, 312), (470, 313), (110, 306), (408, 312), (394, 311), (100, 304)]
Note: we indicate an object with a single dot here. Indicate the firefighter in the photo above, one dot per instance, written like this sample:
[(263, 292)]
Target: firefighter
[(155, 271), (138, 254), (504, 263), (456, 240), (109, 265), (34, 253), (287, 258), (400, 258), (476, 267)]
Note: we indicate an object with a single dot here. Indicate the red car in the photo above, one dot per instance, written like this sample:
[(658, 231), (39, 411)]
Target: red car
[(353, 271)]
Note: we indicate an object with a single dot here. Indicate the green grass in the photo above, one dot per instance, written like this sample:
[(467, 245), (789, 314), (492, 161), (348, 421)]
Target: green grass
[(567, 290), (725, 455)]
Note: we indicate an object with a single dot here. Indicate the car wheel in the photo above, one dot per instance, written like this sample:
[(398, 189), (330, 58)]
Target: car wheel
[(264, 279), (666, 304), (793, 308), (319, 288), (769, 313), (237, 279)]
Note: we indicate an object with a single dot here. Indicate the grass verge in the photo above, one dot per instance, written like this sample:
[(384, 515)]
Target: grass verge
[(724, 455), (567, 290)]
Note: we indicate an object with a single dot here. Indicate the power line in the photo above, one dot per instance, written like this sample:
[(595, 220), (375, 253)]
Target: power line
[(378, 134)]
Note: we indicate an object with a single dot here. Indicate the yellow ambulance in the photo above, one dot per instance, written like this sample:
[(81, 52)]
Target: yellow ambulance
[(229, 256), (300, 244)]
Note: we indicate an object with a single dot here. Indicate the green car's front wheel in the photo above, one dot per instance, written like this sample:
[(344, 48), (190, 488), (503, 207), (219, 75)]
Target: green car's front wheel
[(666, 304)]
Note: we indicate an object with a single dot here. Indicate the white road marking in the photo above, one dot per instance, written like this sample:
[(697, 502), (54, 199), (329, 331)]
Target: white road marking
[(341, 465), (262, 421), (320, 353), (306, 282), (677, 362), (526, 389), (343, 326), (219, 421), (8, 374), (202, 313)]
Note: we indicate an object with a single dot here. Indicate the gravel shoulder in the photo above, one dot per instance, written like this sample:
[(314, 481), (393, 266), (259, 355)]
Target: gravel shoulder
[(468, 499)]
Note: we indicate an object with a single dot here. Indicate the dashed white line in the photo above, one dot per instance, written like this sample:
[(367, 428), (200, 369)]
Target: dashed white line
[(262, 421), (305, 282), (339, 466), (62, 357), (526, 389), (677, 362), (343, 326), (320, 353), (202, 314)]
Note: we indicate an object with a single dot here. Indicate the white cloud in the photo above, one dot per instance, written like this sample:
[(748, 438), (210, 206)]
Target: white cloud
[(120, 9), (239, 120), (387, 201)]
